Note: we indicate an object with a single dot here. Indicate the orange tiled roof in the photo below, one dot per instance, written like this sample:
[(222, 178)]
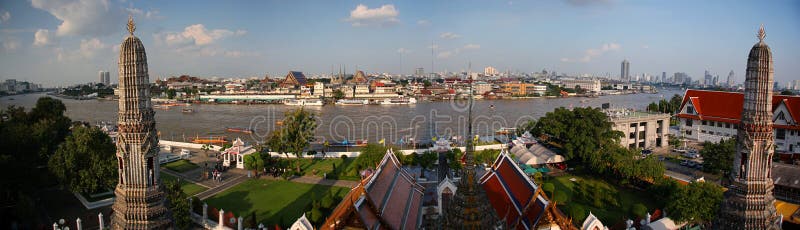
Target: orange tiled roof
[(512, 194), (727, 106)]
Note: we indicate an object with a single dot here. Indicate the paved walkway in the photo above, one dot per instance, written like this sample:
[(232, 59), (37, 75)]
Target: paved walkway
[(224, 186), (317, 180)]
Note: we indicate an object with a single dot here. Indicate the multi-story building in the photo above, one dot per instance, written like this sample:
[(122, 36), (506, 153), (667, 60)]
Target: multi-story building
[(419, 72), (489, 71), (625, 71), (641, 129), (482, 87), (524, 89), (105, 77), (588, 85), (714, 115)]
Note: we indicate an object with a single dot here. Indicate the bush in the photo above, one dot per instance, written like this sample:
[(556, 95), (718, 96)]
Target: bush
[(560, 197), (311, 153), (344, 157), (577, 212), (549, 187), (639, 210)]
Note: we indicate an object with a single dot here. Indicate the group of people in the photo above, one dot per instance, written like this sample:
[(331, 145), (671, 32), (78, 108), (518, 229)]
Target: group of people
[(217, 175)]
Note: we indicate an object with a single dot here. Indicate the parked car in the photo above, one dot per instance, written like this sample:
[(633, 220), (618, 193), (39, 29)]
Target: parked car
[(647, 152), (684, 162), (691, 155)]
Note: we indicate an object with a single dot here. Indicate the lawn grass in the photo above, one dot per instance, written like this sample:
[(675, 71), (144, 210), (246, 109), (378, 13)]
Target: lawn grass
[(188, 187), (273, 201), (181, 166), (345, 169), (609, 214)]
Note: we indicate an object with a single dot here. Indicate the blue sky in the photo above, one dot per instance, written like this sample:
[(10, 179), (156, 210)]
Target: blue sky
[(60, 42)]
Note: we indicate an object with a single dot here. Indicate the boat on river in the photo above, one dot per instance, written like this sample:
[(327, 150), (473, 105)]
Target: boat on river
[(210, 140), (346, 143), (352, 102), (239, 130), (304, 102), (398, 101)]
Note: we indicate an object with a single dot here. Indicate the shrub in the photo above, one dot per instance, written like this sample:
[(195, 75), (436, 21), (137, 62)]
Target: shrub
[(577, 212), (344, 157), (639, 210), (560, 197), (549, 187)]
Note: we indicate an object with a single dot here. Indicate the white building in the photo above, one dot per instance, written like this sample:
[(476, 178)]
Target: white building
[(641, 129), (588, 85), (715, 115), (489, 71)]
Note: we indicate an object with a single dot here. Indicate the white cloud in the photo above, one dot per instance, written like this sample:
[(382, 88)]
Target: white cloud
[(4, 16), (197, 34), (645, 47), (423, 22), (89, 48), (150, 14), (472, 46), (590, 54), (9, 45), (84, 17), (42, 37), (362, 15), (403, 51), (449, 35)]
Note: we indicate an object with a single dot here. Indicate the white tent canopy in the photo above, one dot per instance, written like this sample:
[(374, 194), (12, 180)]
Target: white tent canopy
[(535, 155)]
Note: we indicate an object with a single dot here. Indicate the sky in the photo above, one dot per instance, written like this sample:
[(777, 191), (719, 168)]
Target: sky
[(64, 42)]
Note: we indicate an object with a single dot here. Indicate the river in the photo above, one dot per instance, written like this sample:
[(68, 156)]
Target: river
[(352, 122)]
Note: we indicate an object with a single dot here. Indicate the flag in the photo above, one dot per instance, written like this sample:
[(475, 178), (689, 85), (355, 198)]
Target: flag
[(433, 138), (382, 141)]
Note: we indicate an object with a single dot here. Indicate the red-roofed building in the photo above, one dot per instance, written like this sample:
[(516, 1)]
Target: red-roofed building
[(713, 115), (518, 200), (389, 198)]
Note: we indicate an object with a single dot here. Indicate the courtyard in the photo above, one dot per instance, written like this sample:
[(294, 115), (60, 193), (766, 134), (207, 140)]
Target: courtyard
[(273, 201)]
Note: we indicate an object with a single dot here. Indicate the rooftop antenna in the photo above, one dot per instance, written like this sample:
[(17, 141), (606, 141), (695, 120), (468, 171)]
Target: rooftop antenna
[(432, 51)]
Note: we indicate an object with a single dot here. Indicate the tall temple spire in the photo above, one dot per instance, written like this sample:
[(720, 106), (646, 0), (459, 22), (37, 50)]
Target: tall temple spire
[(139, 202), (749, 203), (470, 208), (131, 25)]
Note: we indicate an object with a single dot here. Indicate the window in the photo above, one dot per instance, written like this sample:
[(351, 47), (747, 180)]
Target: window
[(719, 124), (632, 135), (727, 125), (689, 122), (780, 134), (704, 122), (690, 109), (641, 134), (781, 116)]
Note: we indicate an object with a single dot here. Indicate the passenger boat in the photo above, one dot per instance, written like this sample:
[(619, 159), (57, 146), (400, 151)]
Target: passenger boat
[(304, 102), (352, 102), (187, 110), (398, 101), (210, 140), (239, 130)]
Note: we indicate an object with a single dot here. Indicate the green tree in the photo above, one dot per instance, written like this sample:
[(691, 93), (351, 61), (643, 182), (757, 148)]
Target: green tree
[(549, 187), (171, 93), (787, 92), (254, 162), (426, 160), (718, 157), (697, 202), (338, 94), (295, 134), (86, 161), (639, 210), (178, 203)]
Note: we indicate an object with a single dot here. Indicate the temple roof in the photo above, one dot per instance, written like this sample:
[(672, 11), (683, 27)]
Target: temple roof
[(727, 106), (389, 198), (513, 194), (294, 78)]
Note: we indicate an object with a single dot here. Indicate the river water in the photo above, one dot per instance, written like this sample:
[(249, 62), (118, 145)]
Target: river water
[(352, 122)]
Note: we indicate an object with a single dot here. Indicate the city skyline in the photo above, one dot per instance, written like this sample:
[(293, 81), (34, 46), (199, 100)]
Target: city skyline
[(573, 37)]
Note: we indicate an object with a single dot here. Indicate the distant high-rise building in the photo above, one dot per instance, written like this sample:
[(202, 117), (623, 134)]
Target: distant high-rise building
[(419, 72), (707, 79), (625, 71), (489, 71), (749, 203), (663, 77), (105, 77), (730, 79)]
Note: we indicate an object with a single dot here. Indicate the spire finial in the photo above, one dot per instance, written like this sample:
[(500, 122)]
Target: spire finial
[(761, 33), (131, 25)]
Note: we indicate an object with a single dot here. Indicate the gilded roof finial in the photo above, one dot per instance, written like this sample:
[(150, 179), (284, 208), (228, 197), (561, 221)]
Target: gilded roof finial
[(761, 34), (131, 25)]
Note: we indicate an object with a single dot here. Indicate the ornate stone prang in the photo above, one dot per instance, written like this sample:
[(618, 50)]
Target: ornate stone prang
[(131, 25)]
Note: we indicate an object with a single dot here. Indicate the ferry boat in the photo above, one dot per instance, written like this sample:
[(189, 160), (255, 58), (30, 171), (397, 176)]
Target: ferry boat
[(352, 102), (304, 102), (398, 101), (210, 140), (239, 130)]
